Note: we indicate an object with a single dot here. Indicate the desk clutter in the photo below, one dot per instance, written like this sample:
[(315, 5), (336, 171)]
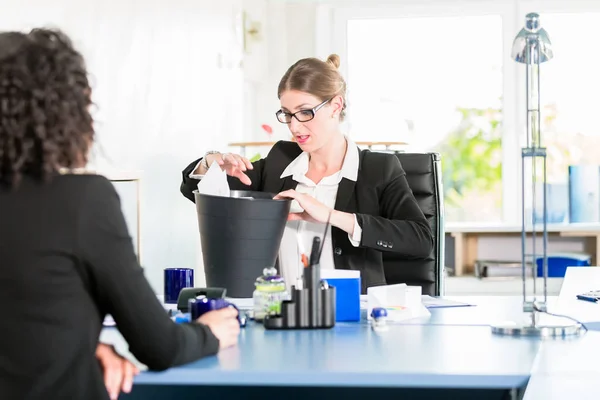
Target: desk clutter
[(253, 224), (301, 309)]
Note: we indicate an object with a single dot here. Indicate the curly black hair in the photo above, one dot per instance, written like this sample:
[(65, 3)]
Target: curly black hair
[(45, 98)]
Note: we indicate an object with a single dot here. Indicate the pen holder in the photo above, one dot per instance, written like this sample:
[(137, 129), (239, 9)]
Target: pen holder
[(308, 309), (201, 305)]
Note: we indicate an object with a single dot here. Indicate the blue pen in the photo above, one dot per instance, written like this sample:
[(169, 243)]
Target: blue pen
[(587, 298)]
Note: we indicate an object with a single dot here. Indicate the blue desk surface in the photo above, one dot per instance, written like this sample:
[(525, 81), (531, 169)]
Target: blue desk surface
[(454, 348), (353, 355)]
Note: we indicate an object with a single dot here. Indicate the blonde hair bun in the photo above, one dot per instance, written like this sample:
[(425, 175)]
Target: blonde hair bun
[(334, 60)]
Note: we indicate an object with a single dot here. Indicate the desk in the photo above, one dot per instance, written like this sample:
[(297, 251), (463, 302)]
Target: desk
[(570, 369), (579, 387), (466, 237), (416, 356), (454, 349), (353, 356)]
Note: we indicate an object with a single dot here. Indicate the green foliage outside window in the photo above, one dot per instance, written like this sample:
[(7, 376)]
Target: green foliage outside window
[(472, 157)]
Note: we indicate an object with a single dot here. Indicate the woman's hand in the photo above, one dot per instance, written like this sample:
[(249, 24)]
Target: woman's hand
[(223, 324), (118, 371), (233, 164), (314, 210)]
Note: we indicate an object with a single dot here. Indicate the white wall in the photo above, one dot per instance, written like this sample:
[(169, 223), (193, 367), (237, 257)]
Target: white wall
[(288, 35), (167, 89)]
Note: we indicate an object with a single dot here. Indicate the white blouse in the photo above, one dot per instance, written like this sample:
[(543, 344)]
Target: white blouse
[(302, 233)]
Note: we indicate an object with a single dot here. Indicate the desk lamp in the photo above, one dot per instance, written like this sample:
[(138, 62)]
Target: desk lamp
[(533, 47)]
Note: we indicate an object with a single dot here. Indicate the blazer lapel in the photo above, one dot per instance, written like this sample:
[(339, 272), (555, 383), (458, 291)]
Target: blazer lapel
[(345, 200), (287, 183)]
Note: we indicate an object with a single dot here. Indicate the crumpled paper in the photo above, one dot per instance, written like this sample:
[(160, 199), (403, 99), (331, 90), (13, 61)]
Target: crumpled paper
[(214, 182)]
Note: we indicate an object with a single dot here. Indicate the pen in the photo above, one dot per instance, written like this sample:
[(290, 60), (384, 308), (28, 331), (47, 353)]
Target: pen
[(587, 298), (303, 259)]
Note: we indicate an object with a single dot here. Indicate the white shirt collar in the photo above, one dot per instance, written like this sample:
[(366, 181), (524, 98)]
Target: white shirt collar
[(299, 167)]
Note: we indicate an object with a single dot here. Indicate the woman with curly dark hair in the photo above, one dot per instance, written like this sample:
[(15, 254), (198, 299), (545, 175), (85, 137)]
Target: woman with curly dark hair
[(66, 256)]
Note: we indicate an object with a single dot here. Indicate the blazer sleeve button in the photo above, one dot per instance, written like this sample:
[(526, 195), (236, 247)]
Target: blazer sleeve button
[(337, 251), (379, 243)]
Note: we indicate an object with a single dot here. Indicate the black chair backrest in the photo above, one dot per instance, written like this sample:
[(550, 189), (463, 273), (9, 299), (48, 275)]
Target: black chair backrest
[(424, 176)]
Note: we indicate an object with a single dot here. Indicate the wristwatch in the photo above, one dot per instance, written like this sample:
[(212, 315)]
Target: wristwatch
[(204, 162)]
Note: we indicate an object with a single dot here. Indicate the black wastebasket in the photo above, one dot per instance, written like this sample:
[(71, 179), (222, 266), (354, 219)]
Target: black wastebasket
[(240, 236)]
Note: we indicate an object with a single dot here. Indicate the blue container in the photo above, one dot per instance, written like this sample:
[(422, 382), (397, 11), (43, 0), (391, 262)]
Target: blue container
[(347, 298), (201, 305), (558, 263), (175, 280)]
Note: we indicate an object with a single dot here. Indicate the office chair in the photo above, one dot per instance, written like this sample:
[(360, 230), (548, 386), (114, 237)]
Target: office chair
[(424, 176)]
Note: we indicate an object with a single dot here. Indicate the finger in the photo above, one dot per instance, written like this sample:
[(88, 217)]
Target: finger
[(242, 177), (235, 327), (247, 163), (296, 217), (288, 194), (240, 162), (230, 159), (112, 379), (228, 312), (128, 374)]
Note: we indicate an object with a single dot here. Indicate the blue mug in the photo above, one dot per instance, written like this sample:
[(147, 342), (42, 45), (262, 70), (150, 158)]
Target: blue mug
[(175, 280), (202, 304)]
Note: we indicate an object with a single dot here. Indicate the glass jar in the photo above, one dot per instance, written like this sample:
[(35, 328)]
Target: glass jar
[(269, 293)]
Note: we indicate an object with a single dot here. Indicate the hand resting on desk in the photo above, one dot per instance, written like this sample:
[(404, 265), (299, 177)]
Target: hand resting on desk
[(224, 325), (118, 371)]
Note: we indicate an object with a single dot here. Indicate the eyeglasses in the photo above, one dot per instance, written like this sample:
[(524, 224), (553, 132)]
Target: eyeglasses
[(301, 116)]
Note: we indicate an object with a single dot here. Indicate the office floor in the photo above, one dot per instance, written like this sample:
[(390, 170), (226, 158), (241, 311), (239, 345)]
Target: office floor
[(469, 285)]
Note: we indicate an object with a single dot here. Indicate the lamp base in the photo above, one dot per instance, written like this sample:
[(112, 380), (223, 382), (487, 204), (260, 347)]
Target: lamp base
[(542, 331)]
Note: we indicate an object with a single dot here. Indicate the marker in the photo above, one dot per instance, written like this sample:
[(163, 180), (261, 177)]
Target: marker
[(587, 298)]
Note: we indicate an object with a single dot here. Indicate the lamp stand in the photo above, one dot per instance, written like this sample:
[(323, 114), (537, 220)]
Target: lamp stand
[(531, 47)]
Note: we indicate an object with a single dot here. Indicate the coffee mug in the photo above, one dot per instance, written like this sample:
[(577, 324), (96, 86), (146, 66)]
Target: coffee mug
[(202, 304), (175, 280)]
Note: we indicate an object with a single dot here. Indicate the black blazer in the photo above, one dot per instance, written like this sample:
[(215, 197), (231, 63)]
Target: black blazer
[(67, 260), (384, 205)]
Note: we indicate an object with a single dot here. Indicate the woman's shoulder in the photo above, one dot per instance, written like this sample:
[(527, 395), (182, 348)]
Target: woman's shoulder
[(283, 152), (286, 148), (85, 183)]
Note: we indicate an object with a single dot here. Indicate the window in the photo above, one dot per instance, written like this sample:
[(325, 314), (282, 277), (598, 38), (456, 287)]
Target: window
[(570, 85), (436, 83)]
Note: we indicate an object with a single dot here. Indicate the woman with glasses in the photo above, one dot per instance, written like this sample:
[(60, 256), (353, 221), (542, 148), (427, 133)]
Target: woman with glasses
[(365, 194)]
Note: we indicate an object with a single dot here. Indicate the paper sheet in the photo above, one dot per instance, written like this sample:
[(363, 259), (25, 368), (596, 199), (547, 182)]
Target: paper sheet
[(214, 182), (438, 302)]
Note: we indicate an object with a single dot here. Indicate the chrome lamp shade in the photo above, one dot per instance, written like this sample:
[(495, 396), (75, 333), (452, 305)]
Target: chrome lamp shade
[(532, 45)]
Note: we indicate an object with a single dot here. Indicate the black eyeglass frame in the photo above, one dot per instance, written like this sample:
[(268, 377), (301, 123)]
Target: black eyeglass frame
[(312, 111)]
